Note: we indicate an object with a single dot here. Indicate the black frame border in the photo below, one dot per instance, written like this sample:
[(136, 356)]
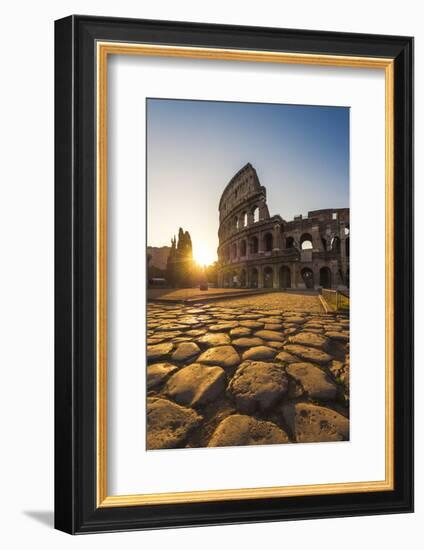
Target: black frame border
[(75, 274)]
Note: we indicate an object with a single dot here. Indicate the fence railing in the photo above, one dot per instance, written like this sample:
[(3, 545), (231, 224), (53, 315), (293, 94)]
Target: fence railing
[(337, 300)]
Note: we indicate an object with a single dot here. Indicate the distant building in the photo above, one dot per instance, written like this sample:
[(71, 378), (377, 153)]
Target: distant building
[(158, 256), (257, 250)]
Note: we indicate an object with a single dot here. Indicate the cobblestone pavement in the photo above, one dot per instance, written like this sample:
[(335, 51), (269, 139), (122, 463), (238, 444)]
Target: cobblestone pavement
[(277, 300), (258, 370)]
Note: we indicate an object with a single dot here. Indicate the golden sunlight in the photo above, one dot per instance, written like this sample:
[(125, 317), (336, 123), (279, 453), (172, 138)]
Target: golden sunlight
[(203, 255)]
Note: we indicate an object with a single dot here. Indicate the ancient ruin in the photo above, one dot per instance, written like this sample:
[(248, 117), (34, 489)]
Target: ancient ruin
[(257, 250)]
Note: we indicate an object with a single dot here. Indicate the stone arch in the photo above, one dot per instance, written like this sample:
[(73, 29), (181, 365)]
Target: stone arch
[(306, 241), (254, 278), (234, 251), (227, 279), (325, 277), (233, 279), (268, 242), (268, 277), (290, 242), (285, 277), (308, 277), (244, 219), (243, 248), (254, 245), (255, 214), (243, 278)]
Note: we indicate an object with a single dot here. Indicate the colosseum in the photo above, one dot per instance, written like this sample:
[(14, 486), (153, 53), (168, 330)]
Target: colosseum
[(257, 250)]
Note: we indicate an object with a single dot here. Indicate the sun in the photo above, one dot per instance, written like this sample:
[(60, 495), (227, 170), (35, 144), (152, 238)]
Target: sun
[(203, 255)]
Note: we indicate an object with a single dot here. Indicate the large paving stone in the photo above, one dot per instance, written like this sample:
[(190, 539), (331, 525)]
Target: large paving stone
[(337, 335), (247, 342), (276, 345), (268, 320), (212, 339), (196, 332), (259, 353), (169, 424), (251, 324), (158, 373), (295, 319), (273, 326), (159, 350), (239, 429), (311, 423), (286, 357), (309, 354), (170, 327), (313, 380), (273, 335), (168, 335), (223, 356), (223, 326), (196, 385), (309, 339), (258, 385), (238, 332), (151, 340), (248, 316), (185, 352)]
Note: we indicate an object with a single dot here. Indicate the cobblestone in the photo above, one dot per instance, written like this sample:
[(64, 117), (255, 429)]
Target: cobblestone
[(259, 366)]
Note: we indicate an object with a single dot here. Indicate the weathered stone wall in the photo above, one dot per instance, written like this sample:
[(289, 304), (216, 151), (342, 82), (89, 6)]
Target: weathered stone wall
[(261, 251)]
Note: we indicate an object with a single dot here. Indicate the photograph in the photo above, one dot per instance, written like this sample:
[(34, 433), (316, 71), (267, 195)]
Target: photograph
[(247, 273)]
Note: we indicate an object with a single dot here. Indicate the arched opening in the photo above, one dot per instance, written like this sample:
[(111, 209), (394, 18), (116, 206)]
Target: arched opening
[(243, 278), (268, 242), (285, 277), (236, 223), (306, 241), (347, 246), (308, 277), (289, 242), (335, 245), (254, 278), (255, 214), (234, 251), (325, 277), (233, 280), (268, 277), (254, 245), (324, 243), (245, 219), (227, 280), (243, 248)]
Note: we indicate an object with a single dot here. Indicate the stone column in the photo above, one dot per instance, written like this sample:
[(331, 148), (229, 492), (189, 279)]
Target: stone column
[(277, 238), (260, 243), (315, 271), (275, 281), (260, 277)]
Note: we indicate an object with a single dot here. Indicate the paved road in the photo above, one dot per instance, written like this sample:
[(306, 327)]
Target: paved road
[(284, 301), (266, 369)]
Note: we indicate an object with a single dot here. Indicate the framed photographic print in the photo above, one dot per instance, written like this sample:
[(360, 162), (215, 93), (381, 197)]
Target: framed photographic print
[(233, 272)]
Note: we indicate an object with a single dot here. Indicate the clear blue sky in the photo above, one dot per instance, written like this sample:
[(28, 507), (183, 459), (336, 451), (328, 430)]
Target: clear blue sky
[(301, 155)]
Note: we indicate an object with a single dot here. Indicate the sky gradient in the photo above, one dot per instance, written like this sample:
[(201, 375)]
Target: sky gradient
[(301, 155)]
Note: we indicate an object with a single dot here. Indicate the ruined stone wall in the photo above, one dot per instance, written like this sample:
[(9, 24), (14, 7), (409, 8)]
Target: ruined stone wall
[(261, 251)]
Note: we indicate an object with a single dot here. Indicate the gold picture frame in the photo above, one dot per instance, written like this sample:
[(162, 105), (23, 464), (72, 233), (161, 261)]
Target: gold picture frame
[(103, 50)]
